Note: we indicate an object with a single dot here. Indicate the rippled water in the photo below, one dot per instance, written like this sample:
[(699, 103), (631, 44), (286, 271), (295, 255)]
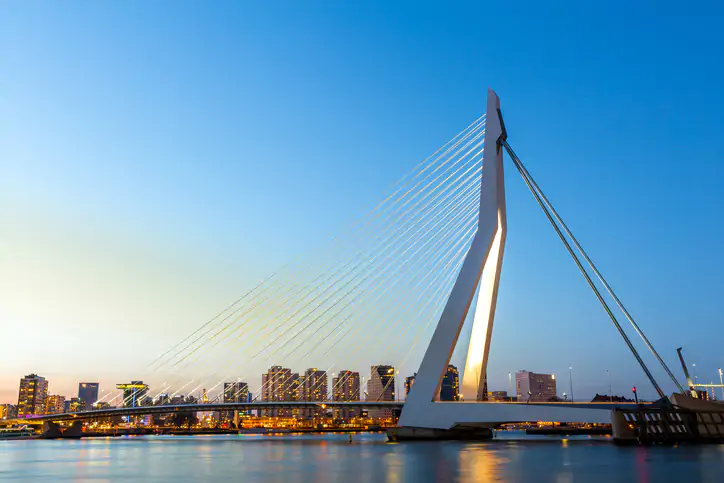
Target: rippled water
[(331, 458)]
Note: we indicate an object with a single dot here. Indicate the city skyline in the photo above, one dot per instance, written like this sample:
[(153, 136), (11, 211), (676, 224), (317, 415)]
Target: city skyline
[(122, 189)]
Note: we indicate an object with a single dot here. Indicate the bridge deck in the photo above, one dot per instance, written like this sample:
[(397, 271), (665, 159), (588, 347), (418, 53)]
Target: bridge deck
[(150, 410)]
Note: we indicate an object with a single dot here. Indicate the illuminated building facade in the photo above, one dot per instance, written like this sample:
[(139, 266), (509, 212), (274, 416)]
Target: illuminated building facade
[(533, 387), (409, 381), (134, 394), (346, 387), (381, 387), (8, 411), (498, 396), (279, 384), (88, 394), (32, 395), (313, 387), (54, 404), (235, 392), (450, 387)]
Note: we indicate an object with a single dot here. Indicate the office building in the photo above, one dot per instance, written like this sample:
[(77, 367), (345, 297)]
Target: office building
[(88, 394), (533, 387), (54, 404), (346, 387), (32, 395), (381, 387), (450, 387), (134, 394)]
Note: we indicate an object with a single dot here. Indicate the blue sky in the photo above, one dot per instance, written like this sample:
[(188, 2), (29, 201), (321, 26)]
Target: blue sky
[(156, 160)]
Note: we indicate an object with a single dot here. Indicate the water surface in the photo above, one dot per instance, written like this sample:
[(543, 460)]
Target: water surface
[(331, 458)]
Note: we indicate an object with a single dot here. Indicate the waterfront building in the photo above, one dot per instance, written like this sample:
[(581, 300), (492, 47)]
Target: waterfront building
[(8, 411), (54, 404), (534, 387), (313, 387), (498, 396), (381, 387), (450, 387), (346, 387), (74, 405), (162, 399), (279, 384), (409, 381), (32, 394), (88, 394), (234, 392), (134, 394)]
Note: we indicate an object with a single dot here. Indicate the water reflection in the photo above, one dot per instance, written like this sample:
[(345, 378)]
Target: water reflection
[(368, 459)]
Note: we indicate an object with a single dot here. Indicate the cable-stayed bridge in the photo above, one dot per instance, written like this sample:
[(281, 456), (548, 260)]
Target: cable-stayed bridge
[(419, 272)]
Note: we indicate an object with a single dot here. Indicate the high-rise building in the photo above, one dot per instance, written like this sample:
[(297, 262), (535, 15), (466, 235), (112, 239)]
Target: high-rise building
[(450, 387), (236, 392), (32, 395), (88, 394), (381, 387), (8, 411), (54, 404), (134, 394), (530, 386), (279, 384), (346, 387), (409, 381), (313, 387)]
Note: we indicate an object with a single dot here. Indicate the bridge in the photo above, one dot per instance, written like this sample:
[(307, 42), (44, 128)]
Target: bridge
[(424, 264), (252, 406)]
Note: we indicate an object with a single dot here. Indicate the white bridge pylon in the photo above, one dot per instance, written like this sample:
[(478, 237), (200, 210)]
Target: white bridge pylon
[(481, 267)]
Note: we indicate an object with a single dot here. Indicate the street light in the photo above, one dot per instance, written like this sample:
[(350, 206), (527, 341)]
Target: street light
[(570, 379)]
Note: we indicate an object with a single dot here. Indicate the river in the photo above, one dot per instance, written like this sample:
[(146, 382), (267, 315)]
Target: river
[(368, 458)]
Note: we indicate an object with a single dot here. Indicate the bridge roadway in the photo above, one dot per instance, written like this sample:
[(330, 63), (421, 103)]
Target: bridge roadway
[(166, 409)]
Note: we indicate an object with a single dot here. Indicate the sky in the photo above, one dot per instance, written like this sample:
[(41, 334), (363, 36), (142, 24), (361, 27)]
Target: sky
[(159, 159)]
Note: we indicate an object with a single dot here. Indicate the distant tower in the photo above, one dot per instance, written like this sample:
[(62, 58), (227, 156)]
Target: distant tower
[(32, 395)]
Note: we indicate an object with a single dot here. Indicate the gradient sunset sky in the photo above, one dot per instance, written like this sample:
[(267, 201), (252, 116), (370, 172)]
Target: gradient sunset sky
[(157, 159)]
